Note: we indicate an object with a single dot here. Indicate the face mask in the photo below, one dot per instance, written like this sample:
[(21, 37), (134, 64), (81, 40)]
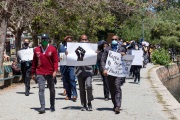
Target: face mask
[(114, 42), (44, 43), (26, 44)]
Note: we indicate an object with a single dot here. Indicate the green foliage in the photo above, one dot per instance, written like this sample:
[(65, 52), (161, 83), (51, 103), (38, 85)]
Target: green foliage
[(161, 57), (166, 29)]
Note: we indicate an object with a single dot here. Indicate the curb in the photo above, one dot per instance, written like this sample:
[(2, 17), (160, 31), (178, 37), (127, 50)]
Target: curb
[(169, 103)]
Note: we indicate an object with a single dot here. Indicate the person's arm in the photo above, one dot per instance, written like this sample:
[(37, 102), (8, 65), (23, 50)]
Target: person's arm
[(55, 62), (34, 65), (103, 61)]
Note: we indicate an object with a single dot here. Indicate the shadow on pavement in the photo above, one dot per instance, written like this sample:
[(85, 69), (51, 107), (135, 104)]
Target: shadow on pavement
[(105, 109), (99, 84), (100, 98), (132, 82), (59, 98), (36, 109), (72, 108), (23, 93)]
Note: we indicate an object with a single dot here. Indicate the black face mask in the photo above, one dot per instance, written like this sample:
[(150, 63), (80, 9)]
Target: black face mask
[(26, 44)]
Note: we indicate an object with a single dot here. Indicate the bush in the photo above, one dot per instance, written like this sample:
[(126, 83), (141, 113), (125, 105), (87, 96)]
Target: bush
[(161, 57)]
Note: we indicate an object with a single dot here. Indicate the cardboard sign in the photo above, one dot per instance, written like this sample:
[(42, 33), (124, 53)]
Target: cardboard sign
[(26, 54)]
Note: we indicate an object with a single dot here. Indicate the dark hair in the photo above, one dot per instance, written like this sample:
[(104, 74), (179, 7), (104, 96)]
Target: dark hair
[(101, 46)]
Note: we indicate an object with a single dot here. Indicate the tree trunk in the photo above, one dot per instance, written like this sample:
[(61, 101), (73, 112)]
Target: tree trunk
[(3, 31), (18, 39), (35, 39)]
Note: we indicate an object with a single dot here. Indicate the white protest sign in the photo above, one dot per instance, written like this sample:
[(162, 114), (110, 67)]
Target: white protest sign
[(126, 63), (114, 64), (26, 54), (62, 58), (138, 57), (80, 54)]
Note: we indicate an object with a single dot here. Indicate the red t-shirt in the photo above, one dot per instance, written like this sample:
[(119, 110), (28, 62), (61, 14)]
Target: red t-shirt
[(45, 62)]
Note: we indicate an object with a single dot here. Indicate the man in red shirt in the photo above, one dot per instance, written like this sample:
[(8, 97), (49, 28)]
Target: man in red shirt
[(45, 66)]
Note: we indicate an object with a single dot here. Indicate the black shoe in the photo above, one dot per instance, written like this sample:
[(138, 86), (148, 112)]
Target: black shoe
[(27, 93), (52, 108), (90, 107), (41, 111), (117, 110)]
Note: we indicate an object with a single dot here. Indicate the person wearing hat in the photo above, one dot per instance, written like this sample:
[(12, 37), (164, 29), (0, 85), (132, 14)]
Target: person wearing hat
[(67, 72), (45, 67)]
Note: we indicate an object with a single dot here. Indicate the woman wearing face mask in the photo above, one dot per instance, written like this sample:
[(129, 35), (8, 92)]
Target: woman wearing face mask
[(136, 68), (101, 49)]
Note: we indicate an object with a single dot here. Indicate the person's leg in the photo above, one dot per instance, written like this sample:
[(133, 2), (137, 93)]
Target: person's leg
[(118, 94), (89, 92), (111, 84), (73, 83), (105, 86), (41, 83), (68, 84), (27, 81), (82, 91), (138, 74), (135, 73), (50, 81)]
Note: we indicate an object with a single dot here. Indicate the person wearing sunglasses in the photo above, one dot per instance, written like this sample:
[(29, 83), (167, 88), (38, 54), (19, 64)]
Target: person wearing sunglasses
[(45, 66), (114, 82)]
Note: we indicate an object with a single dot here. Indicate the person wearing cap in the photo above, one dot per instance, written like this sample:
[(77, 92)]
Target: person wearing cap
[(114, 82), (26, 68), (45, 67), (67, 72)]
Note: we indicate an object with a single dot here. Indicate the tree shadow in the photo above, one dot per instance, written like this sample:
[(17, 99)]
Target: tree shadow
[(72, 108)]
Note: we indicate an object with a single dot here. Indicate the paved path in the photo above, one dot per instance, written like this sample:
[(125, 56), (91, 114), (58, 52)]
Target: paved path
[(139, 102)]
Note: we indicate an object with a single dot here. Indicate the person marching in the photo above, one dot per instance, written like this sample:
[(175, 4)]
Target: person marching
[(68, 75), (101, 49), (114, 82), (84, 75), (45, 67), (26, 69)]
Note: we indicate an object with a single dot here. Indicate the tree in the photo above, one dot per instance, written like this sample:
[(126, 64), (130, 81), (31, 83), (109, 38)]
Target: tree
[(5, 13)]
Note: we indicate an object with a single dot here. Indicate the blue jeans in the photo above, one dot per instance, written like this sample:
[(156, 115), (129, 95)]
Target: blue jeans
[(69, 81)]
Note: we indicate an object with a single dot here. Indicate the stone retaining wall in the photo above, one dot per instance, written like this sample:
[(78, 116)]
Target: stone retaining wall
[(165, 73)]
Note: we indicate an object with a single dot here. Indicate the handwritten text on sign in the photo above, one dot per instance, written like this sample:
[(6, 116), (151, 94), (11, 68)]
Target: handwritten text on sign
[(116, 66)]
